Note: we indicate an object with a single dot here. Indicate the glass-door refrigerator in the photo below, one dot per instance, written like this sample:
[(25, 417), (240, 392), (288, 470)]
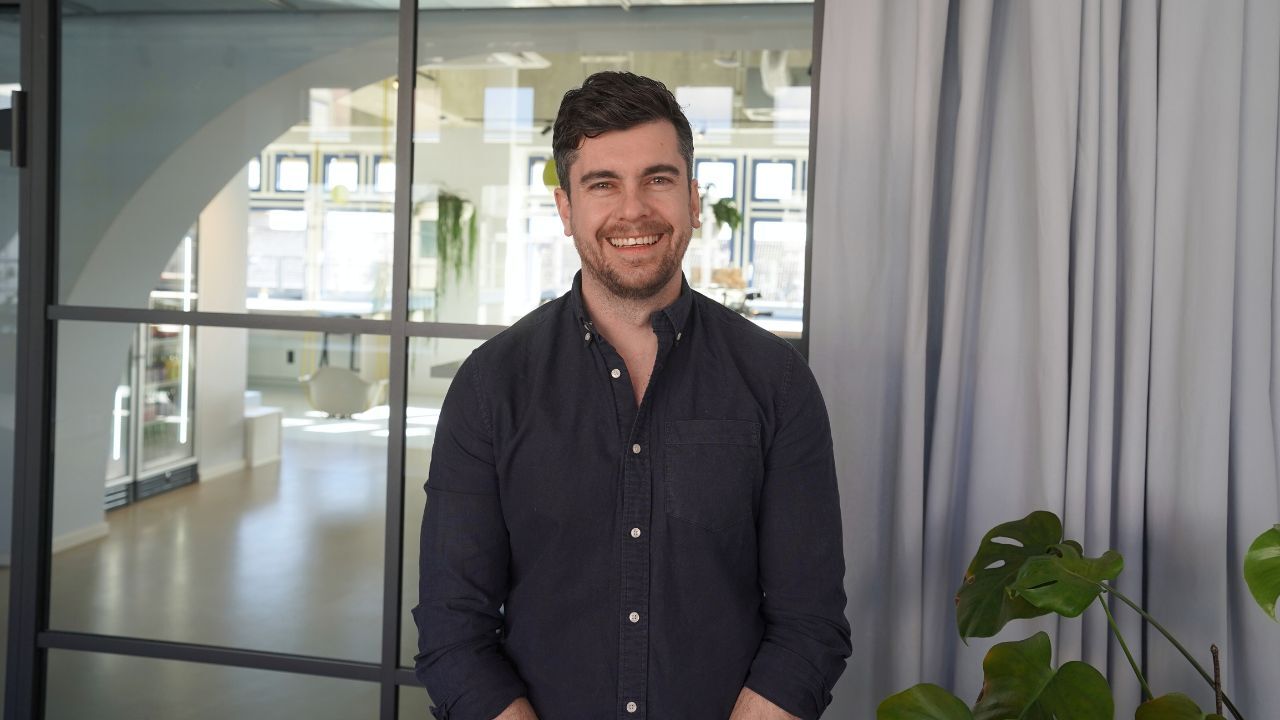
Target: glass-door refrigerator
[(152, 446)]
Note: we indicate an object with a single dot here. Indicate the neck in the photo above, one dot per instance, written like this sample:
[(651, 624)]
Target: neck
[(615, 315)]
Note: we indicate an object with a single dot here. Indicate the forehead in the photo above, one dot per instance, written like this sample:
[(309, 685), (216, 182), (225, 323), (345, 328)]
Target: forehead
[(633, 149)]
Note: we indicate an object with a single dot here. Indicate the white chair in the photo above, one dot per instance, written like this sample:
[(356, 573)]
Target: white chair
[(340, 392)]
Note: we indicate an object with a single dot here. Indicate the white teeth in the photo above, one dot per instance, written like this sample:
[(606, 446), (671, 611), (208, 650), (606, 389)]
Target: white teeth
[(630, 241)]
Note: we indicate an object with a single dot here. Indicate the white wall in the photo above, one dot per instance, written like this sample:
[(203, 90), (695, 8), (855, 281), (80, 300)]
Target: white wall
[(221, 353)]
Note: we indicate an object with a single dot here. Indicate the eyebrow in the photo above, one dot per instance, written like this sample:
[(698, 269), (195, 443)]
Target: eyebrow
[(596, 175), (662, 169)]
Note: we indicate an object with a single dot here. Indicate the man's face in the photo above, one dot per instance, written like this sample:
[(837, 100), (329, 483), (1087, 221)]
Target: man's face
[(633, 209)]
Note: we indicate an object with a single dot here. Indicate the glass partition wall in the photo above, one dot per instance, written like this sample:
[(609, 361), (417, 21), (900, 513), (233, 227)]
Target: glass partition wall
[(281, 229)]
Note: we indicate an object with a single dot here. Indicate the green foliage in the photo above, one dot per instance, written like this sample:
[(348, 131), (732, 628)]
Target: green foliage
[(455, 250), (1064, 581), (923, 702), (1262, 570), (1018, 682), (726, 213), (1174, 706), (983, 604), (1024, 569)]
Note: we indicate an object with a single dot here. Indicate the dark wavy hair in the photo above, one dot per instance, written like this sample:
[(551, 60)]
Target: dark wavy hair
[(613, 100)]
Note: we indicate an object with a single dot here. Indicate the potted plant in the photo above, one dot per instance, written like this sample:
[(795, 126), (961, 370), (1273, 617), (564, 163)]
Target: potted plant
[(1025, 569), (455, 235), (725, 211)]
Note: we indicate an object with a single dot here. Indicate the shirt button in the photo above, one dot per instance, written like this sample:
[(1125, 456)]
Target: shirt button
[(678, 335), (616, 373), (634, 617), (587, 337), (635, 449), (632, 707), (635, 532)]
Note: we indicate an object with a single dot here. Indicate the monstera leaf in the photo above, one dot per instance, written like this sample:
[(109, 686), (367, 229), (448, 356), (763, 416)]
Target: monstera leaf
[(984, 603), (1262, 570), (923, 702), (1174, 706), (1065, 581), (1019, 683)]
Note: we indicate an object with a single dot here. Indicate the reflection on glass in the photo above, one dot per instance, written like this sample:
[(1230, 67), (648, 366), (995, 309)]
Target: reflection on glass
[(709, 110), (116, 687), (275, 541), (488, 245), (433, 362), (169, 118), (508, 114)]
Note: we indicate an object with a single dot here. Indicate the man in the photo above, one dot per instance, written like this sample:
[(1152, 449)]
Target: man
[(632, 507)]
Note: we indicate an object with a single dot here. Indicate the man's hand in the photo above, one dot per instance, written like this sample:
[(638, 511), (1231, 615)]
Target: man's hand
[(519, 710), (752, 706)]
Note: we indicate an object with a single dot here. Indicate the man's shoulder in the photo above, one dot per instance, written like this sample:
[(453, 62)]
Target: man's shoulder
[(751, 340), (528, 336)]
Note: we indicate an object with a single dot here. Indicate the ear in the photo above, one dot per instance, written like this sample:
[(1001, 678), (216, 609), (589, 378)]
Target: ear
[(565, 210), (695, 204)]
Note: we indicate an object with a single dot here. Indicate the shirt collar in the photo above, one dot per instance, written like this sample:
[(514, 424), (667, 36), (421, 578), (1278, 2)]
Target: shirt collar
[(677, 313)]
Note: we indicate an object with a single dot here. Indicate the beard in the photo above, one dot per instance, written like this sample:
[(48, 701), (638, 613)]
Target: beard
[(615, 279)]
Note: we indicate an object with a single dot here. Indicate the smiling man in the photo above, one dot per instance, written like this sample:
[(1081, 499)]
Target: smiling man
[(632, 507)]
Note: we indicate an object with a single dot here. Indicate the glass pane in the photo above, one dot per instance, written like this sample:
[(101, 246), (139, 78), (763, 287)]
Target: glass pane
[(270, 538), (9, 77), (488, 245), (432, 365), (259, 130), (117, 687), (415, 704)]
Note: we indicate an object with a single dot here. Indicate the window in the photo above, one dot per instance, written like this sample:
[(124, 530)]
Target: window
[(384, 175), (342, 171), (773, 180), (293, 173)]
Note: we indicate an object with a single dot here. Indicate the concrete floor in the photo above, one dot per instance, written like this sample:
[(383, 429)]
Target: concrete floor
[(285, 557)]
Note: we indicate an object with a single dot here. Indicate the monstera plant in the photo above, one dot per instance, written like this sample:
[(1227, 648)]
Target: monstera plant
[(1025, 569)]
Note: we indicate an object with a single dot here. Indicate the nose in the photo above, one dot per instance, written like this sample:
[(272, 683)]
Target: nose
[(632, 204)]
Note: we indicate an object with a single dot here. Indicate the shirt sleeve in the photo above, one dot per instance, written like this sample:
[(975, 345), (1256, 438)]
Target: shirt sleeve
[(463, 566), (806, 637)]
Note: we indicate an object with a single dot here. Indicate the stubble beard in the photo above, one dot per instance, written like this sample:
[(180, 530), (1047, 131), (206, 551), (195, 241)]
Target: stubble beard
[(613, 281)]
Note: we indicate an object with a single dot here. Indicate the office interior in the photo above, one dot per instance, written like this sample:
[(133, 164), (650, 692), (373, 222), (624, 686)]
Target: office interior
[(220, 484)]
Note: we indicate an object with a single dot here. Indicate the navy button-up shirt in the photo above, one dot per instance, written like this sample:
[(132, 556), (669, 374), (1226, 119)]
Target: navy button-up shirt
[(613, 561)]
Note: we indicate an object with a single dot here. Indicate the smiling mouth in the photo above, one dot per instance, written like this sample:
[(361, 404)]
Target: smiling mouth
[(640, 240)]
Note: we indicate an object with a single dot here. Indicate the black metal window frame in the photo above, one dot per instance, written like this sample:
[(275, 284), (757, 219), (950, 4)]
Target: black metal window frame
[(30, 636)]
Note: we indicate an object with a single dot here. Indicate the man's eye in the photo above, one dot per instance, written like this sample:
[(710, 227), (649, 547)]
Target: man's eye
[(661, 180), (601, 186)]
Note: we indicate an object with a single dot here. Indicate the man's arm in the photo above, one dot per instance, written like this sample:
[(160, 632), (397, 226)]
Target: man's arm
[(806, 637), (518, 710), (463, 578), (751, 706)]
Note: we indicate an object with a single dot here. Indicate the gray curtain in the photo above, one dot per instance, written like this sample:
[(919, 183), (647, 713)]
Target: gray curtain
[(1044, 277)]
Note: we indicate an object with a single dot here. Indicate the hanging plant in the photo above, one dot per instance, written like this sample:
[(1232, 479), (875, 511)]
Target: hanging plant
[(726, 213), (455, 236)]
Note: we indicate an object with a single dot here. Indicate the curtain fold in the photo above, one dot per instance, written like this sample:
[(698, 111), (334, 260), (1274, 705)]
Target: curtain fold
[(1044, 278)]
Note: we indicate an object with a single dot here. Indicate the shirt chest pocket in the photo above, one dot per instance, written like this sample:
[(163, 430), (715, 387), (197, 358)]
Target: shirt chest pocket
[(712, 470)]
